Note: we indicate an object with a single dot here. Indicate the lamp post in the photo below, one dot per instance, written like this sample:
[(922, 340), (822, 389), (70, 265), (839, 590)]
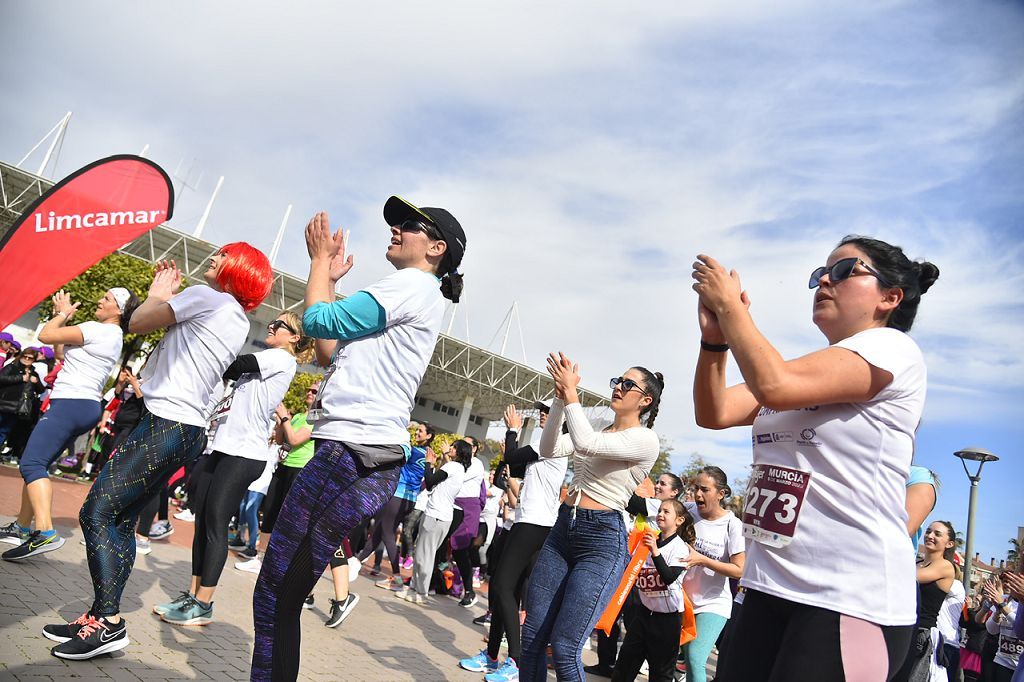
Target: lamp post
[(980, 456)]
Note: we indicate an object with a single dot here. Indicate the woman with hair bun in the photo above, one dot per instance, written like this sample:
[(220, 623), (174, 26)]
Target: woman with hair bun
[(585, 552), (206, 329), (829, 574)]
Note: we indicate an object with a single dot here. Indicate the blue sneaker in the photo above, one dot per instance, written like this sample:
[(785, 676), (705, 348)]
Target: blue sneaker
[(508, 672), (481, 663), (191, 612)]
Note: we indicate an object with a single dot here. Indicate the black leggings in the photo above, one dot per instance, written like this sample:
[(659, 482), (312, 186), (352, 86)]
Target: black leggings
[(776, 640), (157, 505), (652, 636), (214, 507), (280, 484), (385, 528), (410, 529), (517, 558)]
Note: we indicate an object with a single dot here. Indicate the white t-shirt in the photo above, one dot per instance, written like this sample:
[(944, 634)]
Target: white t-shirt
[(539, 495), (422, 499), (262, 484), (491, 505), (441, 504), (719, 540), (247, 414), (849, 552), (948, 621), (654, 594), (473, 479), (1009, 647), (368, 392), (187, 365), (87, 367)]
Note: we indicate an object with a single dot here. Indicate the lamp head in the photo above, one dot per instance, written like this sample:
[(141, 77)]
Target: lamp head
[(976, 455)]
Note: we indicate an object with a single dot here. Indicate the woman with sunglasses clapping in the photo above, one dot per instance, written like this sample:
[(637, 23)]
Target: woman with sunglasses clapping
[(239, 457), (831, 591), (585, 553)]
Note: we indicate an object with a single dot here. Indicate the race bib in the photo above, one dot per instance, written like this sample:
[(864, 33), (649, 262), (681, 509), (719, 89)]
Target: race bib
[(1010, 646), (650, 580), (772, 506)]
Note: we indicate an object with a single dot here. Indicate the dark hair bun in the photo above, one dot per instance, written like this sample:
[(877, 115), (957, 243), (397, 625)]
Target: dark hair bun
[(451, 286), (661, 379), (926, 276)]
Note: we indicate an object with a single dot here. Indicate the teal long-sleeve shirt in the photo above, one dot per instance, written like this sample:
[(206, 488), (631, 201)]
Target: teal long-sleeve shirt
[(351, 318)]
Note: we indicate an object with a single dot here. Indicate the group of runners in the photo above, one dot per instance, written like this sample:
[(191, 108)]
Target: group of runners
[(823, 546)]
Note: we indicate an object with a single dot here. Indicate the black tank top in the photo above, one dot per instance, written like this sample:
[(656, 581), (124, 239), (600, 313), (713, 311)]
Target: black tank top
[(931, 597)]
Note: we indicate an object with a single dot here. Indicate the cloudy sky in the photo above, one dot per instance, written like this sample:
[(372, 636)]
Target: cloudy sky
[(591, 150)]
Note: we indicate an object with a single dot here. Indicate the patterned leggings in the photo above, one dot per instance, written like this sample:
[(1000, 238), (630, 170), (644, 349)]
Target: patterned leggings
[(140, 467), (332, 494)]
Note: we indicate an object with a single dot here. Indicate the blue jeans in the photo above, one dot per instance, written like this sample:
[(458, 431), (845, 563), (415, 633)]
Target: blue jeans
[(249, 513), (576, 574)]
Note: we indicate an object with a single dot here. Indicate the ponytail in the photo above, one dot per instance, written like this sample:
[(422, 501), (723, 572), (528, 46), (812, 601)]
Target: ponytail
[(451, 286), (654, 384)]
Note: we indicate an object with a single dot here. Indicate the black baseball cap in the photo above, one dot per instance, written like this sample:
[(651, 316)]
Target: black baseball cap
[(397, 210)]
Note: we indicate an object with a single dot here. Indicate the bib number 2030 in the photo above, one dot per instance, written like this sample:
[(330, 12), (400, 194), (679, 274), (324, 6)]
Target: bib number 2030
[(772, 507)]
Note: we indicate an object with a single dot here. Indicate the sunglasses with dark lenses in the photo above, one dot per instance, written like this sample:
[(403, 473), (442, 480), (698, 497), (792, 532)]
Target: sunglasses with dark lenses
[(627, 384), (311, 390), (420, 226), (842, 269), (274, 326)]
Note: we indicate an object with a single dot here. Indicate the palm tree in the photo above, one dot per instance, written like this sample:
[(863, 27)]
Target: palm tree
[(958, 540), (1014, 552)]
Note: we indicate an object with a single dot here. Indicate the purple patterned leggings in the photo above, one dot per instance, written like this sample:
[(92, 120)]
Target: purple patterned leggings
[(332, 494)]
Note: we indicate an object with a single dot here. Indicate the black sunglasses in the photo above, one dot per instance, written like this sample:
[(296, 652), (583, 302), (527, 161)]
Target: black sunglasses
[(627, 384), (274, 326), (311, 390), (420, 226), (842, 269)]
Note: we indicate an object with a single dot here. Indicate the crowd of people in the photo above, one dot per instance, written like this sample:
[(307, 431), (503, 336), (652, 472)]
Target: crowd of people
[(822, 569)]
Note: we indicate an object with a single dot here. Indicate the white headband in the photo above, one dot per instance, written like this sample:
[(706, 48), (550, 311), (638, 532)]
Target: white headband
[(121, 295)]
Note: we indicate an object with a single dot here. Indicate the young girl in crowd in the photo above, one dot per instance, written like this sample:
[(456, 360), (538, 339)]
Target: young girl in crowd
[(652, 630), (91, 350), (1001, 623), (830, 585), (584, 555), (470, 499), (378, 343), (206, 328), (240, 455), (935, 577), (719, 556)]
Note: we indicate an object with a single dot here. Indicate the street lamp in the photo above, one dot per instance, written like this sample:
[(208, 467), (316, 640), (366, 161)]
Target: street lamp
[(980, 456)]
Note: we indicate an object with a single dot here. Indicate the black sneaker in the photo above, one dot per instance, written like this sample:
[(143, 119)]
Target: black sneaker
[(11, 534), (484, 620), (599, 670), (468, 599), (340, 610), (236, 544), (37, 543), (308, 604), (94, 638), (62, 632), (247, 552)]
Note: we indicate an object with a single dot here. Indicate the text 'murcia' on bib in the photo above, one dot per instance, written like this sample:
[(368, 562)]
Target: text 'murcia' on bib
[(772, 507)]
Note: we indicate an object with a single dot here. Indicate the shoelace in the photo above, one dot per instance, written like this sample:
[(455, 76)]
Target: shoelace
[(91, 625), (81, 620)]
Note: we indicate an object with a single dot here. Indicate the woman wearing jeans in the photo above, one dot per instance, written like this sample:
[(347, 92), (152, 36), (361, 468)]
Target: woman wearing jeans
[(585, 553)]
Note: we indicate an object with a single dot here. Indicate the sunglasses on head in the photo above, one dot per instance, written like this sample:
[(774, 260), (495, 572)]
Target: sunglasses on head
[(627, 384), (276, 325), (842, 269), (420, 226)]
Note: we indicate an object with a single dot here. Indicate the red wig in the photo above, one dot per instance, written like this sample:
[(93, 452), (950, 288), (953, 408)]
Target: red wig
[(245, 274)]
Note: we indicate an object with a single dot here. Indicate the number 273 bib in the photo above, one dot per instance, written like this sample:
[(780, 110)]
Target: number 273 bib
[(772, 507)]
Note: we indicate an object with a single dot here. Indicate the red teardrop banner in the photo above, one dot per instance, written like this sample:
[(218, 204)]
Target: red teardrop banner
[(80, 220)]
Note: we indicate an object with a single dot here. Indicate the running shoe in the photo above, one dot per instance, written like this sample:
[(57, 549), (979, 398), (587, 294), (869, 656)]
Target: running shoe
[(481, 663), (13, 534), (186, 515), (308, 603), (353, 569), (160, 530), (189, 612), (94, 638), (161, 609), (403, 592), (508, 672), (484, 620), (36, 543), (416, 598), (598, 670), (388, 583), (142, 546), (237, 544), (468, 599), (408, 563), (250, 566), (247, 552), (340, 610), (62, 632)]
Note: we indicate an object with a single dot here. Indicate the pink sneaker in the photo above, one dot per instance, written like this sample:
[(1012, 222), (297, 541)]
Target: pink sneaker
[(407, 564)]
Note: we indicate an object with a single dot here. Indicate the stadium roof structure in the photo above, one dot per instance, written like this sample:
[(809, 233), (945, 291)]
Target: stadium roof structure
[(457, 370)]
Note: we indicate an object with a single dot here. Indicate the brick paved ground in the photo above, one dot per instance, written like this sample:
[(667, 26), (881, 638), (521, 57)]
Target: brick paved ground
[(384, 639)]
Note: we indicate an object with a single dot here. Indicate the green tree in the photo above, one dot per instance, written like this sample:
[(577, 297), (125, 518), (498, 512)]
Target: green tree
[(295, 398), (663, 464), (1013, 554), (116, 270)]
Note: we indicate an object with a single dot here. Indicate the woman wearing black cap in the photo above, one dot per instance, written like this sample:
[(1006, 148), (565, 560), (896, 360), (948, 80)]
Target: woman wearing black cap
[(377, 343)]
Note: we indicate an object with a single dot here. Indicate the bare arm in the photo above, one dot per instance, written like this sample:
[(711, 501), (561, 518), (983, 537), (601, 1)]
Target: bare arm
[(55, 331), (155, 312), (920, 502), (730, 569)]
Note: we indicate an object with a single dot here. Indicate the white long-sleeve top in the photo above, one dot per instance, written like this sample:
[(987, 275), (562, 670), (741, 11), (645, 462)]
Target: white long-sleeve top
[(607, 465)]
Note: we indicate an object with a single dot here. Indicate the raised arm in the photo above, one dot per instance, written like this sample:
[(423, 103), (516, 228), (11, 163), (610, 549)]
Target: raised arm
[(155, 312), (631, 445), (55, 330)]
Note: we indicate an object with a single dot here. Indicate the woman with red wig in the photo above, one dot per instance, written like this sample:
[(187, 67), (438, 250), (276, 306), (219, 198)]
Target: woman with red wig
[(206, 328)]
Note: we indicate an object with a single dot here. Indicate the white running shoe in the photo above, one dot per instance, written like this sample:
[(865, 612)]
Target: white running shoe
[(250, 566), (353, 569), (186, 515)]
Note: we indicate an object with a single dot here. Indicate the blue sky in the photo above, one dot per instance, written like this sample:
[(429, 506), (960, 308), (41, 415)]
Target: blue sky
[(591, 150)]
